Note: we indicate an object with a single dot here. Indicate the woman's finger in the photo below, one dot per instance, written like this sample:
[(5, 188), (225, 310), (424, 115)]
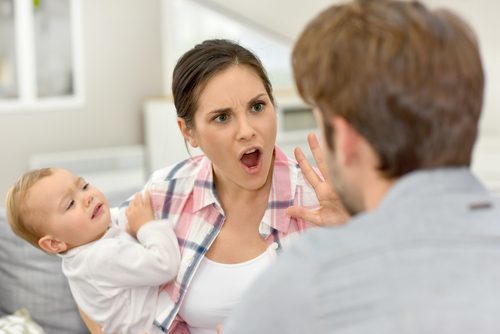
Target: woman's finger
[(306, 168), (311, 216), (138, 199), (146, 198), (318, 156)]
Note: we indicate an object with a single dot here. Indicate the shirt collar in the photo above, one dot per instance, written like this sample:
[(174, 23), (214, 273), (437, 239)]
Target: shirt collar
[(431, 182), (282, 194), (204, 193)]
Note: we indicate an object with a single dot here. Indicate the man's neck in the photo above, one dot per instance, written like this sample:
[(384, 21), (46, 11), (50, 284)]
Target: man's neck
[(375, 191)]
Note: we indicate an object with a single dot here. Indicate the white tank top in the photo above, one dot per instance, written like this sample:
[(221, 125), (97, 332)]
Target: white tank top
[(216, 289)]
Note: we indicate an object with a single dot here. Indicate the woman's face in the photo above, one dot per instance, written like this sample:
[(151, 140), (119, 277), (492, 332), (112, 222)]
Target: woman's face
[(235, 126)]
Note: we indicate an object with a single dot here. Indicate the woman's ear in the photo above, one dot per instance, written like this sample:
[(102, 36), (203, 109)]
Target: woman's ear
[(187, 132), (52, 245)]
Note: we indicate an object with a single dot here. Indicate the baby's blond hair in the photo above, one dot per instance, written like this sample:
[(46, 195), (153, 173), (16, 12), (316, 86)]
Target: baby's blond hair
[(18, 214)]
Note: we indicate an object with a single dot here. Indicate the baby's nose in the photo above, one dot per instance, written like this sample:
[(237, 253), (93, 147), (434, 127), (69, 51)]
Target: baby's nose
[(88, 199)]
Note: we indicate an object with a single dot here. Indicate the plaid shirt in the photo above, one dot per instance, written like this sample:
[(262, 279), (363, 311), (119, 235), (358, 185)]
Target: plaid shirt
[(186, 192)]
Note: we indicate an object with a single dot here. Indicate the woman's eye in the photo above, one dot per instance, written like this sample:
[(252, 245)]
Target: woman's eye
[(221, 118), (70, 205), (258, 106), (85, 186)]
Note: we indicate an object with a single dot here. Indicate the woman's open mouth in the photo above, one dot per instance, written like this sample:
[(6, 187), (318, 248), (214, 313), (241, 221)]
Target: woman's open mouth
[(251, 160)]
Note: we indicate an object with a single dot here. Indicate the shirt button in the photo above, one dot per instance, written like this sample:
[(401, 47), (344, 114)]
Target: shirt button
[(274, 245)]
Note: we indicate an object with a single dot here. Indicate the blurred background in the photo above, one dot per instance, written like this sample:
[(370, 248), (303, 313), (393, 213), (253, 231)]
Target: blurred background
[(85, 84)]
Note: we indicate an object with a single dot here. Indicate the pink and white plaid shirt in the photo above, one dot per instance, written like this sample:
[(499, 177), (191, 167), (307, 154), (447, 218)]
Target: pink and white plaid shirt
[(187, 194)]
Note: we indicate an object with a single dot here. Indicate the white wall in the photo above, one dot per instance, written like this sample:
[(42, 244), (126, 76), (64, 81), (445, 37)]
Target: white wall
[(122, 63), (482, 15)]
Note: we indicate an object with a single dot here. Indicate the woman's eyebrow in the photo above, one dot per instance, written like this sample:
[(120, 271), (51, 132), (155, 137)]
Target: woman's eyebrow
[(228, 110), (255, 99), (219, 111)]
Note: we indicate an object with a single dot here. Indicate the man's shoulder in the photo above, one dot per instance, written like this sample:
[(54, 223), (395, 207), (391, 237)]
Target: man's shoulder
[(324, 244), (315, 248), (407, 226)]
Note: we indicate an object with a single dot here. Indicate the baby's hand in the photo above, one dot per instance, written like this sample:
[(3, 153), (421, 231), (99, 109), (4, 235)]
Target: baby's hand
[(139, 212)]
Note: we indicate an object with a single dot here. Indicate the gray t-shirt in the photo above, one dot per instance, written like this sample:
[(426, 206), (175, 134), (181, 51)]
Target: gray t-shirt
[(427, 260)]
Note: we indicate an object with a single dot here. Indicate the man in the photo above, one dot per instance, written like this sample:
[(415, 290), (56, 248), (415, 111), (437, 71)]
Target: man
[(397, 89)]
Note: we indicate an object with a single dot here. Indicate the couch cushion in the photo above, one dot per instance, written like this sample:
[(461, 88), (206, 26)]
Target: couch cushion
[(32, 279), (19, 323)]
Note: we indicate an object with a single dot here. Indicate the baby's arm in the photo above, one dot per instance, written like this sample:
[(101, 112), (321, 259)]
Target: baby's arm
[(92, 326), (155, 254), (150, 260), (139, 212)]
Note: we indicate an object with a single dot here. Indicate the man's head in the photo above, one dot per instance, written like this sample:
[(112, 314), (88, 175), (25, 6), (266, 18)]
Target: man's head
[(56, 210), (405, 80)]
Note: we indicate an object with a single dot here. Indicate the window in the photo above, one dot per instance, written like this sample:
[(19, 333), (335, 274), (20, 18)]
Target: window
[(8, 73), (40, 54)]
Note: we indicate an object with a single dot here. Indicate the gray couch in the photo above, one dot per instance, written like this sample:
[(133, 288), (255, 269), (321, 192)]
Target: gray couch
[(32, 279)]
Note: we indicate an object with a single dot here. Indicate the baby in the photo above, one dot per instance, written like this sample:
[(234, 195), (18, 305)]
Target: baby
[(114, 274)]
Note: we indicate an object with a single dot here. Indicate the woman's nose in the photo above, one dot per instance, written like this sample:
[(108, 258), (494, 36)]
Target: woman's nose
[(245, 129)]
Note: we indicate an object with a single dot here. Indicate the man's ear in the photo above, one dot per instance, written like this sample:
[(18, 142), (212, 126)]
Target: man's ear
[(186, 132), (52, 245), (346, 140)]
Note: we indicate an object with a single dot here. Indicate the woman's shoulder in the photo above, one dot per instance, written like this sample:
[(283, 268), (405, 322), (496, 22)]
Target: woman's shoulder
[(179, 178), (188, 168)]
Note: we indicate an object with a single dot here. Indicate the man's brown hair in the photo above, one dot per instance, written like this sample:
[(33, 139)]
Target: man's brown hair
[(408, 79), (18, 214)]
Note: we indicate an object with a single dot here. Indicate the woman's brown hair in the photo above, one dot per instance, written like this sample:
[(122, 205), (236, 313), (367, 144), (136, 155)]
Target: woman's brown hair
[(198, 65)]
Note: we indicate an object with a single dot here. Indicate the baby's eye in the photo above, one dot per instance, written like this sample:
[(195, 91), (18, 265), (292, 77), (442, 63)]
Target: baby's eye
[(70, 205), (86, 186), (221, 118), (259, 106)]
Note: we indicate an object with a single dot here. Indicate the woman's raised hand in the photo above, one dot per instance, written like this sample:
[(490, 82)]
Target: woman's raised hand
[(330, 211)]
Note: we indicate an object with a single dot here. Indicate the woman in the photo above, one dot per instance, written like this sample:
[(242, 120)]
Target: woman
[(229, 205)]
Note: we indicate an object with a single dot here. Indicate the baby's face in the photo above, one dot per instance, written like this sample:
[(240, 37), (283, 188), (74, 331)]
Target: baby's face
[(68, 208)]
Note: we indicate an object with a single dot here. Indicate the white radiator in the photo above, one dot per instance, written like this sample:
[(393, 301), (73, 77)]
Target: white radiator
[(164, 141), (117, 171)]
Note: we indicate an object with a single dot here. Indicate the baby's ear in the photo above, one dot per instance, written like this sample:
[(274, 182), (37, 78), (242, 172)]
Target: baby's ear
[(52, 245)]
